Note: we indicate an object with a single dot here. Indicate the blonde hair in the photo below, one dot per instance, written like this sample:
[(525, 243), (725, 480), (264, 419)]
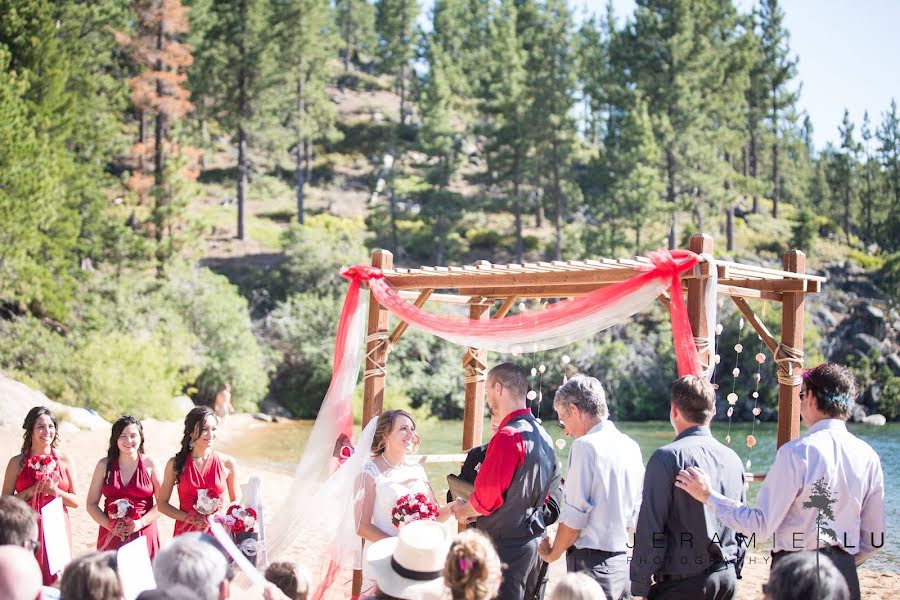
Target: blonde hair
[(385, 426), (577, 586), (472, 571)]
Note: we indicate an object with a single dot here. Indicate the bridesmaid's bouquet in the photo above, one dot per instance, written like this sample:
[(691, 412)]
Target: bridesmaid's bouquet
[(413, 507), (42, 465), (122, 509), (239, 519), (207, 502)]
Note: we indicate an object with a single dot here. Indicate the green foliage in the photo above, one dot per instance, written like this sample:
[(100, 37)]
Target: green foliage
[(805, 231), (302, 330), (315, 253), (890, 273), (866, 261)]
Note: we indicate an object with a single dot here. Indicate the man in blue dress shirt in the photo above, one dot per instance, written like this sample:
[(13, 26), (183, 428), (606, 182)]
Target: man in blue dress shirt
[(602, 494), (825, 490)]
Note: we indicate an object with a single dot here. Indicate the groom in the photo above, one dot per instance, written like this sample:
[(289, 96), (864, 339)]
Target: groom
[(513, 483)]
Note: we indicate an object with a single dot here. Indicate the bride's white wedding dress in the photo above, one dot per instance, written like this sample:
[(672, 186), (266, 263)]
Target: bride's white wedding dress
[(390, 487)]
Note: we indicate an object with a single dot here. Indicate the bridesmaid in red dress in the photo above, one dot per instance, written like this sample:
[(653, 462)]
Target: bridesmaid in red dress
[(203, 476), (41, 439), (125, 474)]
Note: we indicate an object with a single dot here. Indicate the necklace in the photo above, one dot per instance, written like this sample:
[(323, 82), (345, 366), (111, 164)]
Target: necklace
[(390, 464)]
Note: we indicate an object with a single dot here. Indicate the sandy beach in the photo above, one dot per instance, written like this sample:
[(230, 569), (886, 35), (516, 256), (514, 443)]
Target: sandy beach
[(162, 438)]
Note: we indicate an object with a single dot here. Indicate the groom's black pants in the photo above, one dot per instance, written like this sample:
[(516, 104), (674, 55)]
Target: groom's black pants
[(520, 567)]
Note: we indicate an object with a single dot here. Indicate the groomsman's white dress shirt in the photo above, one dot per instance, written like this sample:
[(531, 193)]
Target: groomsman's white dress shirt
[(602, 493), (840, 471)]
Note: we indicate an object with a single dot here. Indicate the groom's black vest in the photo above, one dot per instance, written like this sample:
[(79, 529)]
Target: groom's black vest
[(521, 515)]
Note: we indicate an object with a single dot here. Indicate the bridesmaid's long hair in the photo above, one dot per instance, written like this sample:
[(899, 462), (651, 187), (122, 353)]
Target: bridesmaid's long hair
[(112, 453), (30, 419), (385, 426), (192, 422)]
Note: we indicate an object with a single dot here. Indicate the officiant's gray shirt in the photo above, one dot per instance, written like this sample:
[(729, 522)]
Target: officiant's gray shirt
[(675, 534)]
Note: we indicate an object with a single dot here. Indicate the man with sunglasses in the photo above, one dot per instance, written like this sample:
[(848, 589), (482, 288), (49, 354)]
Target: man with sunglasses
[(825, 490)]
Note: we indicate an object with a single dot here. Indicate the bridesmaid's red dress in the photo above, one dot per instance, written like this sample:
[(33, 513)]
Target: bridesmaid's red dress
[(210, 477), (139, 491), (26, 478)]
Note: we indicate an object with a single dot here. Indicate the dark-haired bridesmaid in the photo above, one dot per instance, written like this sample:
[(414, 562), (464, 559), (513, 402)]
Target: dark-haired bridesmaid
[(41, 474), (127, 480), (202, 475)]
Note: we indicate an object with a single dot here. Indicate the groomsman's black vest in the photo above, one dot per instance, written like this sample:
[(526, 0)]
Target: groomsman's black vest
[(521, 516)]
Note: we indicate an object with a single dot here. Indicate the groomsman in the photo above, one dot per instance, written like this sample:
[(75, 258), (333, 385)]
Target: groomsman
[(685, 550), (602, 494), (513, 483), (825, 490)]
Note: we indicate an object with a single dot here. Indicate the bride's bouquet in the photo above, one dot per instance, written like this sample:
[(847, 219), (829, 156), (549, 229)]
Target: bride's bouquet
[(413, 507)]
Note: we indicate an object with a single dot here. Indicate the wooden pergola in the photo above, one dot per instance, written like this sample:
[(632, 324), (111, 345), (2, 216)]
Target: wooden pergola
[(490, 291)]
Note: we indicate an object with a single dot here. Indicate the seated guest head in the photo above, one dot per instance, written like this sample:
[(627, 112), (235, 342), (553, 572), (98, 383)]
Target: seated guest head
[(18, 523), (828, 392), (93, 576), (693, 402), (192, 561), (174, 592), (472, 570), (506, 388), (798, 577), (20, 575), (580, 404), (290, 578), (577, 586), (409, 566)]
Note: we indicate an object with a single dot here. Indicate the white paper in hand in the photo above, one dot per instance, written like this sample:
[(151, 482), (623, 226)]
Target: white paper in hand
[(135, 570), (56, 535)]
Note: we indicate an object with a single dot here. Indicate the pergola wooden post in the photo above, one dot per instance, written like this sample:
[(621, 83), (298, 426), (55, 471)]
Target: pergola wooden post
[(701, 243), (475, 366), (376, 347), (790, 354)]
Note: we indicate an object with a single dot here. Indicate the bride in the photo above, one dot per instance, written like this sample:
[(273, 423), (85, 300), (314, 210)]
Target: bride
[(386, 478)]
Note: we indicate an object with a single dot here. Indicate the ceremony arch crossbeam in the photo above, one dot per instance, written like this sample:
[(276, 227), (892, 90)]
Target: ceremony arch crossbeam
[(490, 291)]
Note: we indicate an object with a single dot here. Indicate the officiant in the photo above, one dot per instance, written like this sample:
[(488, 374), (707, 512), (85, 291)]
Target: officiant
[(513, 483)]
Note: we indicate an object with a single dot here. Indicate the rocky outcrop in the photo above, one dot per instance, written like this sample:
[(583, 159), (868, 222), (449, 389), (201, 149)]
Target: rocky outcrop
[(16, 399)]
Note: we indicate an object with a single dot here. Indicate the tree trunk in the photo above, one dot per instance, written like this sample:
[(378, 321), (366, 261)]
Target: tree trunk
[(242, 182), (300, 149), (242, 114), (539, 207), (671, 197), (776, 175), (558, 197), (847, 210), (517, 211), (395, 239), (402, 82), (348, 38), (729, 228), (159, 219), (754, 165), (637, 238), (439, 247), (310, 151)]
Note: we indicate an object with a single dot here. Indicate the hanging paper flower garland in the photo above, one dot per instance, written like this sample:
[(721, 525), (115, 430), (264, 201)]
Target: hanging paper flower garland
[(735, 372), (760, 359)]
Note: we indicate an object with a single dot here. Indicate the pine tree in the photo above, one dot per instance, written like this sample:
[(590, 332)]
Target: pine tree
[(846, 165), (599, 80), (158, 91), (779, 69), (504, 106), (306, 45), (552, 78), (439, 141), (394, 26), (238, 73), (356, 24), (637, 181), (888, 135), (870, 178)]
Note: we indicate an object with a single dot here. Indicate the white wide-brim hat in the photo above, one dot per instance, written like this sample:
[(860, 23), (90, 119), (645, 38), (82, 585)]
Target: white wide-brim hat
[(411, 565)]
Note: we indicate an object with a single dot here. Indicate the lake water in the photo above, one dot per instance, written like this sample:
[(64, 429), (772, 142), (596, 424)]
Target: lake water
[(279, 446)]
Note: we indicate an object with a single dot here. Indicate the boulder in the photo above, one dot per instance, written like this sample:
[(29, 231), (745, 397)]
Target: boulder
[(893, 362), (876, 420), (858, 413), (263, 417), (866, 343), (16, 399), (183, 404)]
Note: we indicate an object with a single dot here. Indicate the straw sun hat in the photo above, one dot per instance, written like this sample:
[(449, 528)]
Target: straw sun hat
[(410, 565)]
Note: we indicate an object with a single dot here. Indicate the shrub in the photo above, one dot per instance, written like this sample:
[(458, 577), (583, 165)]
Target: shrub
[(302, 330), (483, 238), (866, 261), (804, 231), (225, 349)]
